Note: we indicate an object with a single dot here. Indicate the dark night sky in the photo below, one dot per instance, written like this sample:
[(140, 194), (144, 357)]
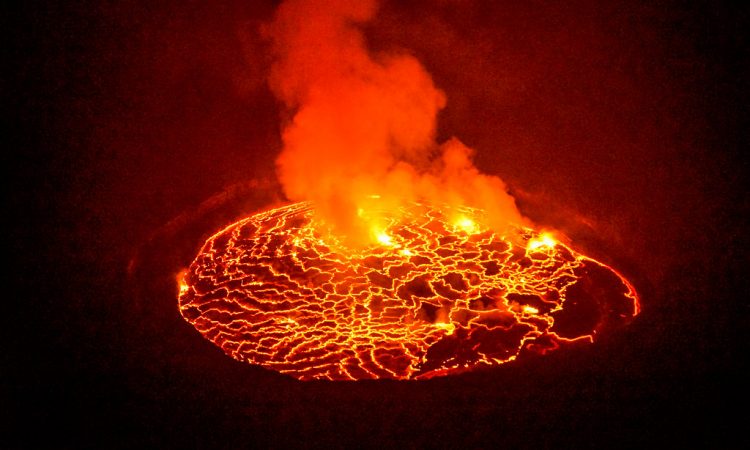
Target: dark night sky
[(138, 128)]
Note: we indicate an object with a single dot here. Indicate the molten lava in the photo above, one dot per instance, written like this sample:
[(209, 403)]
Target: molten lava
[(435, 294)]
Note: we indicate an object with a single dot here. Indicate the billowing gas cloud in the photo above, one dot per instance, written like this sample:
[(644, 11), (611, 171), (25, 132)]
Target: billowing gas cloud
[(361, 124)]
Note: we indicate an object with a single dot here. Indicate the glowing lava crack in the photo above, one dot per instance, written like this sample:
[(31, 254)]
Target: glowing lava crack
[(438, 295)]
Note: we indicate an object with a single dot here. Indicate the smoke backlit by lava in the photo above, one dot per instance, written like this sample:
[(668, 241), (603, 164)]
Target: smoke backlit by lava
[(402, 259)]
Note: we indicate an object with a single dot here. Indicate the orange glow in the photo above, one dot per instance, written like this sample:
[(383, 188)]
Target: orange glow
[(465, 224), (181, 282), (362, 126), (543, 241), (384, 238), (279, 290)]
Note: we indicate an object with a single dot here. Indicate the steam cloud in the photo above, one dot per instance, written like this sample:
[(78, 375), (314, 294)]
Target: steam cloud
[(362, 124)]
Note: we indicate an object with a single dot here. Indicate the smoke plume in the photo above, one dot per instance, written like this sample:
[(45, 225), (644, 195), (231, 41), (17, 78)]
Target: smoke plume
[(361, 124)]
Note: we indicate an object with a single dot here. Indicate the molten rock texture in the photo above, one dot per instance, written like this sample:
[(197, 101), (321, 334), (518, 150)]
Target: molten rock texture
[(436, 295)]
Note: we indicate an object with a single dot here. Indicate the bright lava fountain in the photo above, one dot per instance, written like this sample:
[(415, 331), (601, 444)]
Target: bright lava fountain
[(437, 295)]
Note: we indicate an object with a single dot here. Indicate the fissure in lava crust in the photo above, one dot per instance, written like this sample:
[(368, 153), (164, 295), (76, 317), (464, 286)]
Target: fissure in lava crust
[(437, 295)]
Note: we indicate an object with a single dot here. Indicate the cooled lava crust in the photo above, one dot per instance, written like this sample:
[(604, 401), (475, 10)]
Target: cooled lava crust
[(433, 298)]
